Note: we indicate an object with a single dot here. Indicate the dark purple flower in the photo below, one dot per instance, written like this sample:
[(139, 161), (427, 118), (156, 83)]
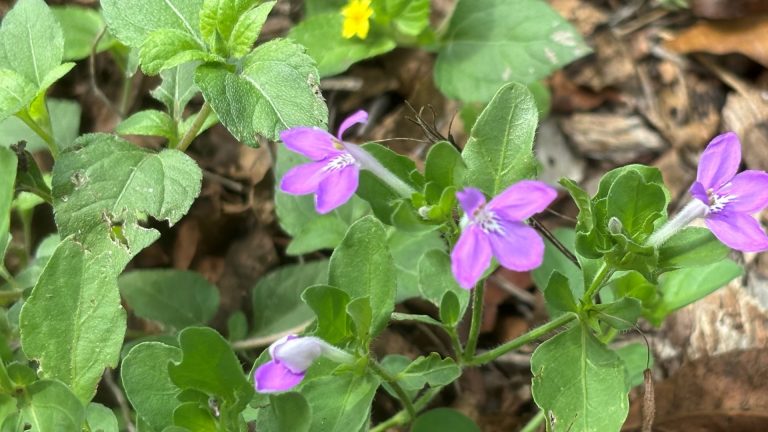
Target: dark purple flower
[(731, 198), (333, 175), (497, 229), (291, 357)]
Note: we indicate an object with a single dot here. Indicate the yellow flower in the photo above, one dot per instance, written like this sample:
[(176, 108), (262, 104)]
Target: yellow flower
[(356, 14)]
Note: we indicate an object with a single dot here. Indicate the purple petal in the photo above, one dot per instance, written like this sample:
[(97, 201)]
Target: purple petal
[(470, 257), (337, 188), (470, 199), (738, 231), (720, 161), (303, 179), (750, 191), (312, 142), (522, 200), (697, 191), (274, 377), (358, 117), (520, 248)]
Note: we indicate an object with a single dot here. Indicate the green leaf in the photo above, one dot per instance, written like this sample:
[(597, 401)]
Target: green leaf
[(104, 185), (444, 419), (177, 89), (636, 203), (385, 201), (65, 119), (147, 383), (621, 314), (51, 406), (8, 164), (82, 27), (101, 418), (218, 18), (579, 382), (362, 266), (151, 123), (73, 324), (436, 278), (590, 237), (247, 29), (32, 41), (277, 89), (209, 365), (361, 315), (277, 305), (408, 17), (16, 92), (132, 21), (349, 407), (167, 48), (407, 248), (431, 370), (330, 307), (492, 42), (314, 7), (321, 34), (691, 247), (558, 293), (287, 412), (175, 298), (444, 165), (636, 360), (499, 149), (682, 287), (193, 417), (450, 309)]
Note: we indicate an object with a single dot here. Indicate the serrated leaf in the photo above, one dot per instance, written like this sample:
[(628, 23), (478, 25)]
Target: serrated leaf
[(247, 29), (580, 382), (52, 407), (149, 122), (218, 18), (167, 48), (492, 42), (148, 385), (103, 185), (362, 266), (350, 407), (175, 298), (132, 21), (277, 305), (209, 365), (499, 151), (321, 34), (177, 89), (82, 27), (31, 24), (277, 89), (16, 92), (73, 324)]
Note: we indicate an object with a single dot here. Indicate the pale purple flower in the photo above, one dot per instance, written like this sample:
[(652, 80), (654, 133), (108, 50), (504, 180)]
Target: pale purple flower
[(291, 357), (497, 229), (333, 173), (731, 198)]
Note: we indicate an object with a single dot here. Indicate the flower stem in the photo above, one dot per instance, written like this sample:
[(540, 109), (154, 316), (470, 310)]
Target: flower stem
[(597, 283), (392, 381), (523, 340), (403, 417), (693, 210), (191, 133), (478, 297)]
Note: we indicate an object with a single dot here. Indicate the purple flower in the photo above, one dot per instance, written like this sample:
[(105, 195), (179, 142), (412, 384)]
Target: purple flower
[(498, 229), (333, 174), (731, 198), (291, 357)]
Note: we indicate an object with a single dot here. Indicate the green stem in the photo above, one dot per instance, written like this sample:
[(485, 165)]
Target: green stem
[(597, 283), (27, 119), (520, 341), (403, 417), (534, 423), (392, 381), (186, 140), (455, 342), (478, 297)]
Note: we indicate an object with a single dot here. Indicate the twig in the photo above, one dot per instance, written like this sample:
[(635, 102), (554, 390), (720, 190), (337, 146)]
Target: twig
[(551, 237), (125, 410), (92, 76)]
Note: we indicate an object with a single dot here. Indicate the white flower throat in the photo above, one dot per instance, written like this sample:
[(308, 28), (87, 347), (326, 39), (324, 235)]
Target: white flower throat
[(338, 162), (487, 221), (718, 202)]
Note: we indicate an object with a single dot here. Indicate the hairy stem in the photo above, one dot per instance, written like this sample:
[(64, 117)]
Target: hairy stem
[(523, 340), (190, 135), (392, 381), (597, 283), (478, 297), (693, 210)]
